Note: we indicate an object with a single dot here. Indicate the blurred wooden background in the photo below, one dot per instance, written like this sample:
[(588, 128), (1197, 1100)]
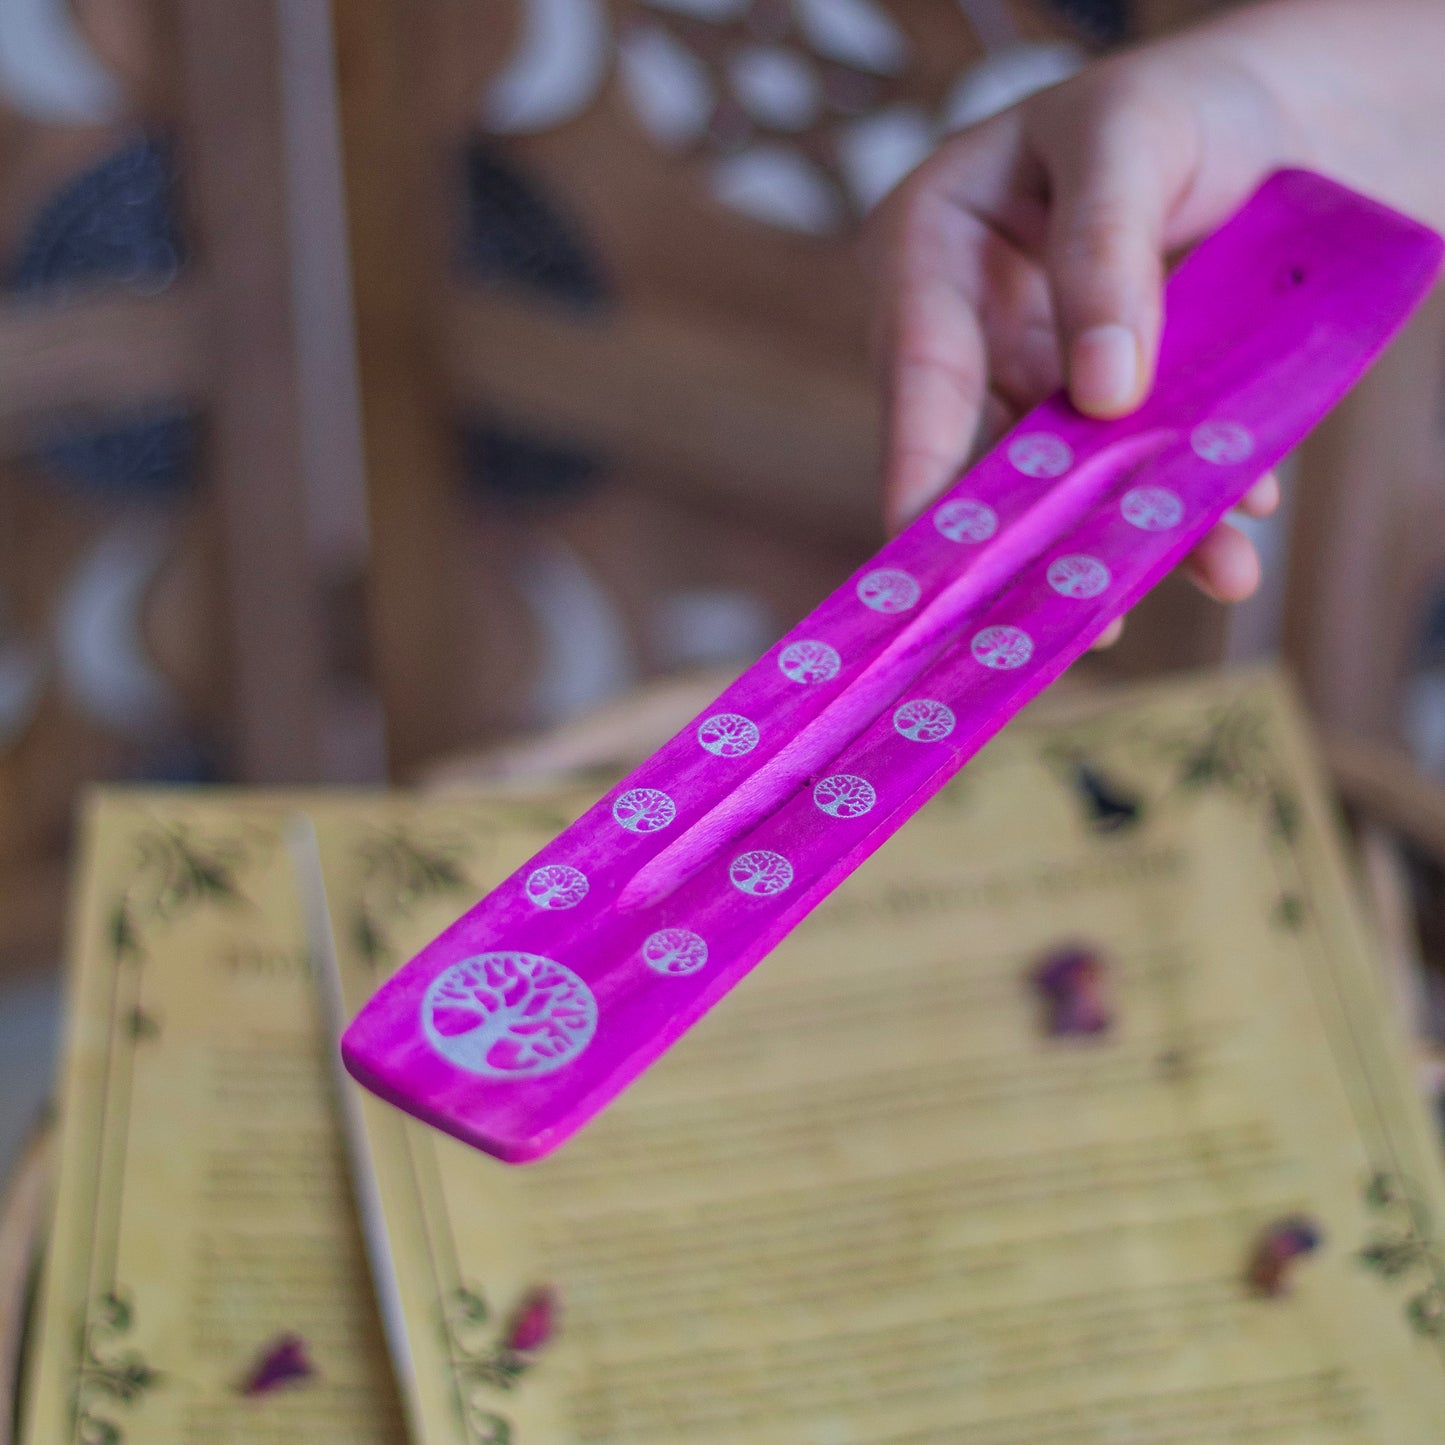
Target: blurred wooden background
[(384, 379)]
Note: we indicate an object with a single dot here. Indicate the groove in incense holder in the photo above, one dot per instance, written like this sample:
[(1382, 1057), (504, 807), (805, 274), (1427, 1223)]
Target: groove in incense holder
[(916, 647)]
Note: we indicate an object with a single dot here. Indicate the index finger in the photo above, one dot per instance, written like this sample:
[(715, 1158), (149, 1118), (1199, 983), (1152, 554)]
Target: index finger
[(964, 314), (937, 383)]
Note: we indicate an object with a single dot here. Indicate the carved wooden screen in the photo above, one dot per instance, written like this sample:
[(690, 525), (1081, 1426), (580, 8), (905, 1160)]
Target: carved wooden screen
[(632, 225), (609, 384), (162, 585)]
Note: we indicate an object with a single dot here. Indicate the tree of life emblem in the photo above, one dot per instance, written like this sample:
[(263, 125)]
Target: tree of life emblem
[(760, 873), (509, 1015), (555, 885), (644, 810), (727, 735), (1152, 509), (809, 662), (1222, 442), (888, 590), (1003, 647), (1040, 454), (674, 951), (1078, 576), (924, 721), (964, 520), (845, 796)]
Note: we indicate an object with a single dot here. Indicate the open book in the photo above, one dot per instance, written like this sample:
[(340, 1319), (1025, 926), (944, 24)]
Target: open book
[(872, 1198)]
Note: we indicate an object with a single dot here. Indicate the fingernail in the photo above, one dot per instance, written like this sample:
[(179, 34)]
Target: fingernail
[(1104, 376)]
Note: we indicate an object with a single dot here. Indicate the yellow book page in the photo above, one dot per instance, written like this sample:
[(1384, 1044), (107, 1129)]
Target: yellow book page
[(203, 1205), (868, 1199)]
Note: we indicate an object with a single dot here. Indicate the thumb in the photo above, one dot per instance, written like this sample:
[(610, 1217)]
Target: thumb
[(1106, 272)]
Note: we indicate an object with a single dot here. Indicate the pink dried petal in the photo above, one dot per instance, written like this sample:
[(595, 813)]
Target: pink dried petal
[(284, 1361), (1277, 1250), (533, 1322), (1073, 985)]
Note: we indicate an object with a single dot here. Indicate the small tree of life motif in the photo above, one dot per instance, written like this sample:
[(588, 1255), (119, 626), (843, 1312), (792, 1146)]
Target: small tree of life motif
[(1003, 647), (1222, 442), (1152, 509), (964, 520), (727, 734), (644, 810), (1040, 454), (809, 662), (845, 796), (924, 721), (760, 873), (674, 951), (555, 885), (509, 1015), (1078, 576), (888, 590)]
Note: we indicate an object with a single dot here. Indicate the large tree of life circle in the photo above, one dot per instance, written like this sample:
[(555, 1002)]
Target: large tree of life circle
[(509, 1015)]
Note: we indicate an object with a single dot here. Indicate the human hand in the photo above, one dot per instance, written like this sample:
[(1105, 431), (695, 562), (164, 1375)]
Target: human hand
[(1029, 252)]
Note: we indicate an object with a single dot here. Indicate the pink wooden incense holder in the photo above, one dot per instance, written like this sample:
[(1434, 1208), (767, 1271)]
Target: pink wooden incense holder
[(547, 998)]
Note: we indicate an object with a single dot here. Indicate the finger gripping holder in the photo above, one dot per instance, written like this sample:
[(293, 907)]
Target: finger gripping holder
[(533, 1010)]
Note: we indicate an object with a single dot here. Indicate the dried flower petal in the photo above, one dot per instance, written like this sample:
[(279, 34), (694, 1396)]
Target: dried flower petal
[(1278, 1248), (534, 1322), (1073, 983), (284, 1361)]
